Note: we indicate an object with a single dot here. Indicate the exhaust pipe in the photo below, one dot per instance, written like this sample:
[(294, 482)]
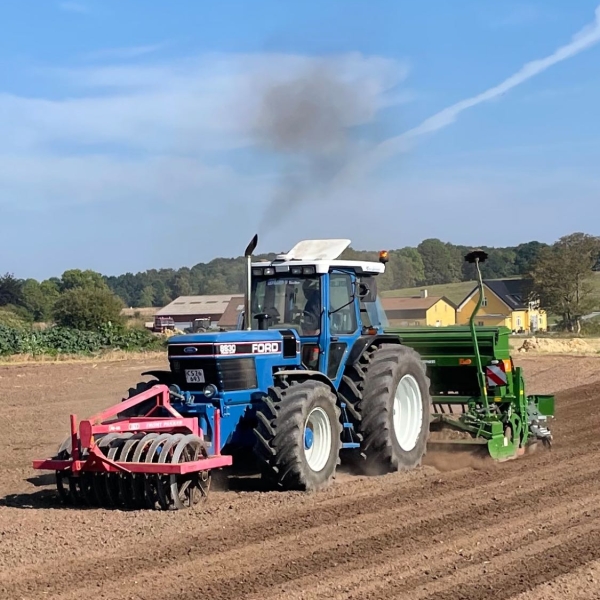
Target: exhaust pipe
[(248, 300)]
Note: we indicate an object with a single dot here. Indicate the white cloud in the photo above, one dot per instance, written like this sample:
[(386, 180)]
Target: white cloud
[(126, 130), (202, 104)]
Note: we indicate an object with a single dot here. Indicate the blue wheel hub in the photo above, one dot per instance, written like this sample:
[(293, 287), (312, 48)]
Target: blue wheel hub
[(309, 438)]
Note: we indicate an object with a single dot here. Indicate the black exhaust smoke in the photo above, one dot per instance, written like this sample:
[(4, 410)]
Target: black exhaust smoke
[(305, 122)]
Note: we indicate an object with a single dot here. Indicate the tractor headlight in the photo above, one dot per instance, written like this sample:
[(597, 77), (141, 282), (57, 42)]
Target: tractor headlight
[(210, 391)]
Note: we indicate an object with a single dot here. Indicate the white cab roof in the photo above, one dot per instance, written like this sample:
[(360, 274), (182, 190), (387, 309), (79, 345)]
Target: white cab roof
[(316, 250), (324, 266), (321, 254)]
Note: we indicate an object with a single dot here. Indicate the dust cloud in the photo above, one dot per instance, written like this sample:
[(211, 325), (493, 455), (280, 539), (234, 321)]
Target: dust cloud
[(456, 460)]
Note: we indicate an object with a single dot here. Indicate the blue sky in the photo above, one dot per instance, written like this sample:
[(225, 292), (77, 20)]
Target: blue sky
[(142, 134)]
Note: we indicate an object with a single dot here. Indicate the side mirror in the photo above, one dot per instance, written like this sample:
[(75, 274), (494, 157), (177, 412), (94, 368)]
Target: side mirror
[(366, 290), (363, 290)]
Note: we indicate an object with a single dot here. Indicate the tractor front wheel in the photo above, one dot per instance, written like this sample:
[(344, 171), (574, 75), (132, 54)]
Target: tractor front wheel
[(298, 436)]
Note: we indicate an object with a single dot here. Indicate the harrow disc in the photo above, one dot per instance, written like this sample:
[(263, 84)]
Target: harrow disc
[(138, 490)]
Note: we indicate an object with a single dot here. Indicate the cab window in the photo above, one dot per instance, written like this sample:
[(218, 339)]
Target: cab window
[(341, 304), (289, 303)]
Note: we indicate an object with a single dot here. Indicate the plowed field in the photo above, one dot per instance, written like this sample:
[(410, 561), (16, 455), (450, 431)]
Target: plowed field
[(457, 528)]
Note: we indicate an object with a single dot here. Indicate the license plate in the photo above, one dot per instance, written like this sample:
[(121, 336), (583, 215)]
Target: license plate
[(194, 376)]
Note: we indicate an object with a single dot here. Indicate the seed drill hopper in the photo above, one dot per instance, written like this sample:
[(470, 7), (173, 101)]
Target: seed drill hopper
[(312, 376)]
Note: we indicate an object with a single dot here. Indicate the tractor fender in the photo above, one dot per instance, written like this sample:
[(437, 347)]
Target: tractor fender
[(364, 342), (165, 377), (304, 374)]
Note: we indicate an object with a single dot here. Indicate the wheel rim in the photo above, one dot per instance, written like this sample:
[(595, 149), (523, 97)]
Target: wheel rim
[(317, 439), (408, 413)]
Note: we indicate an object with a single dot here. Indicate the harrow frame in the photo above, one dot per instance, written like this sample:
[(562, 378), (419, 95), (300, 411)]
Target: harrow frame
[(87, 457)]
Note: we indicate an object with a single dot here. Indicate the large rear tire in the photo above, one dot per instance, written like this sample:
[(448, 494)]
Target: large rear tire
[(298, 436), (389, 393)]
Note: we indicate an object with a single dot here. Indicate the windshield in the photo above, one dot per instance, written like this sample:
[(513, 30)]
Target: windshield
[(376, 314), (291, 302)]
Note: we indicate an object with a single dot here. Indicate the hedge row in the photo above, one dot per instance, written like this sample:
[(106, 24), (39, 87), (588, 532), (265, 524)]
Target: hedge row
[(60, 340)]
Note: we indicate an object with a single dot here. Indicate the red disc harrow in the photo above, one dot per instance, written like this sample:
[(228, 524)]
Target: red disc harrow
[(159, 460)]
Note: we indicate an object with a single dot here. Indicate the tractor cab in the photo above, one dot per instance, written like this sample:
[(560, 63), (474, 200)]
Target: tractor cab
[(329, 303)]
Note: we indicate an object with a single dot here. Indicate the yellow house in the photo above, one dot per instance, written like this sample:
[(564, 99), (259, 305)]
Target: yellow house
[(505, 303), (424, 310)]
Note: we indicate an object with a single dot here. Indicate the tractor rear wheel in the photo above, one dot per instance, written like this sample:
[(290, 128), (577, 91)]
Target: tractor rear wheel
[(298, 436), (394, 410)]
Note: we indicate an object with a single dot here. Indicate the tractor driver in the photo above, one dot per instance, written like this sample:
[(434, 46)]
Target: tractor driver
[(311, 316)]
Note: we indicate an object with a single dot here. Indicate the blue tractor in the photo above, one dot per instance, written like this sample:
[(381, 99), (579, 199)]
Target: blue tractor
[(307, 380)]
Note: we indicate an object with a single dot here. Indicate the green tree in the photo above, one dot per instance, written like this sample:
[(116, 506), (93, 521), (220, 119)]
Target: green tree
[(146, 298), (216, 285), (76, 278), (11, 290), (88, 308), (442, 262), (526, 256), (161, 293), (51, 288), (410, 270), (180, 285), (39, 299), (561, 277), (499, 265)]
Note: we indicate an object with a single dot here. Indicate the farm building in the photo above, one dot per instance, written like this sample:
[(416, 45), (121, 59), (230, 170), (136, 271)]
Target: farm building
[(232, 313), (505, 302), (424, 310), (185, 309)]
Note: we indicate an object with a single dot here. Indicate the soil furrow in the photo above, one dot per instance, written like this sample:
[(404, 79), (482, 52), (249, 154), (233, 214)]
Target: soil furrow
[(363, 547), (530, 569), (397, 572), (383, 510), (468, 529)]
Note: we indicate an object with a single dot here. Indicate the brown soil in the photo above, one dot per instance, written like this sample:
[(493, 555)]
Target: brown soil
[(526, 529)]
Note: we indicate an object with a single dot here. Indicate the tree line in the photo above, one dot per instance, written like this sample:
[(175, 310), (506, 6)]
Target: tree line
[(431, 262), (560, 274), (79, 312)]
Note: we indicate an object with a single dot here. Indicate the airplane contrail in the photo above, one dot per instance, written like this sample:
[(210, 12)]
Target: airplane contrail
[(585, 38)]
